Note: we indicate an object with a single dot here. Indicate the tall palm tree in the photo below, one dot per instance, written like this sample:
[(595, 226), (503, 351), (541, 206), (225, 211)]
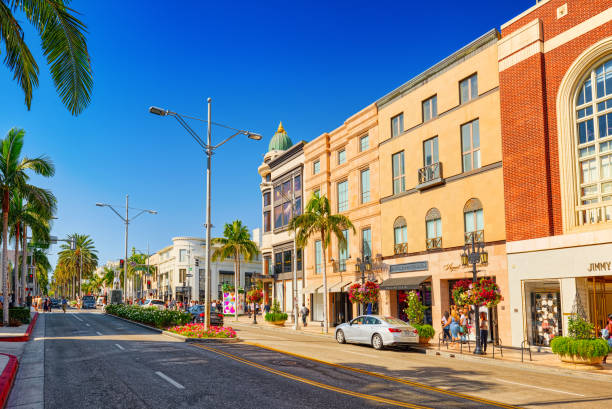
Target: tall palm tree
[(137, 266), (14, 178), (42, 268), (236, 242), (317, 221), (108, 277), (63, 44), (81, 262)]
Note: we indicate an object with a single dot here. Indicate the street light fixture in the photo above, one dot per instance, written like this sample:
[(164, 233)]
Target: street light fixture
[(209, 149), (474, 253)]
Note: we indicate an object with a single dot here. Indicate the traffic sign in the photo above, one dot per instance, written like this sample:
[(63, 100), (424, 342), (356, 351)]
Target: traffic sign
[(189, 275)]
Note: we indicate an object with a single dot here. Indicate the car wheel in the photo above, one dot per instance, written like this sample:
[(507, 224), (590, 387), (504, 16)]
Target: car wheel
[(377, 342), (340, 337)]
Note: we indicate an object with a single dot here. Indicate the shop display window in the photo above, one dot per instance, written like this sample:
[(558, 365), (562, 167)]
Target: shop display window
[(546, 317)]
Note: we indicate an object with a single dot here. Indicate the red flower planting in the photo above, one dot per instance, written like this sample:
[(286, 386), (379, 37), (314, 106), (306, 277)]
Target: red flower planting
[(198, 331)]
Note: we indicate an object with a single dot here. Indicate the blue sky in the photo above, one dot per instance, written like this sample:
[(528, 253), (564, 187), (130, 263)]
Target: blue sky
[(310, 65)]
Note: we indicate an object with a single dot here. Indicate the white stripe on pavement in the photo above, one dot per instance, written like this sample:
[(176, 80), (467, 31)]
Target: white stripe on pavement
[(76, 317), (88, 325), (98, 333), (170, 380), (120, 347), (539, 387)]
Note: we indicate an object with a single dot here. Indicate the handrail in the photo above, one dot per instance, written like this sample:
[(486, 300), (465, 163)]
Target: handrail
[(523, 349), (499, 346), (430, 172), (441, 339)]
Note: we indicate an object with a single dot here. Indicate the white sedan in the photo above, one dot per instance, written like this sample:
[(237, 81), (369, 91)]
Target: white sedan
[(377, 331)]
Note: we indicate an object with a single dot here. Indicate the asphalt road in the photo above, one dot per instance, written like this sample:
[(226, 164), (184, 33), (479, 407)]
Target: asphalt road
[(93, 361)]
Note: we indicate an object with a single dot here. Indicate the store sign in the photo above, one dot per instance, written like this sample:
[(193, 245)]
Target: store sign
[(415, 266), (604, 266)]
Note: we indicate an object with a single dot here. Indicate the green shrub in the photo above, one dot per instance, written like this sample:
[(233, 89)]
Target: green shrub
[(19, 313), (579, 328), (415, 311), (275, 313), (150, 316), (585, 348), (425, 330)]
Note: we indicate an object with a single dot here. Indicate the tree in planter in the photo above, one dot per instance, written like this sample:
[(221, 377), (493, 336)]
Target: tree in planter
[(275, 314), (415, 311)]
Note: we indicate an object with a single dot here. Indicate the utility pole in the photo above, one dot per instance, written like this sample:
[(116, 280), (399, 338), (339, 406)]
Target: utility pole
[(127, 222), (208, 225)]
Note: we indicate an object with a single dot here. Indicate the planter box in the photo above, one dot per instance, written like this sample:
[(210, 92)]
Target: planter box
[(579, 362), (424, 341), (277, 323)]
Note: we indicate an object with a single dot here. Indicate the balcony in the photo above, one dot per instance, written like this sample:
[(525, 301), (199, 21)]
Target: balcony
[(478, 236), (434, 243), (400, 248), (430, 176)]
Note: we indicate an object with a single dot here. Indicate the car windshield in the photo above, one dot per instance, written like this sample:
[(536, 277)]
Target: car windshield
[(157, 302), (88, 298), (394, 321)]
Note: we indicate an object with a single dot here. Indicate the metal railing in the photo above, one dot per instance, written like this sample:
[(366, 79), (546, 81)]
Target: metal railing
[(434, 243), (430, 172), (400, 248), (523, 349), (477, 234)]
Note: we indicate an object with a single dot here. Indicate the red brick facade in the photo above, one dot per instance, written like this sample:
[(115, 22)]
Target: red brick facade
[(528, 92)]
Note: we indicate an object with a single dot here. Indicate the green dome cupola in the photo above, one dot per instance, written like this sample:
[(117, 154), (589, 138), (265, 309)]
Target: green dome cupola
[(280, 141)]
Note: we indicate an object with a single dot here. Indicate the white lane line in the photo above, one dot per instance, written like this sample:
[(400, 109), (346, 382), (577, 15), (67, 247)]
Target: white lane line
[(88, 325), (76, 317), (170, 380), (539, 387), (120, 347), (98, 333)]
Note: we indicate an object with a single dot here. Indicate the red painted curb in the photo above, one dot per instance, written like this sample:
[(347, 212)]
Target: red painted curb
[(7, 378), (25, 337)]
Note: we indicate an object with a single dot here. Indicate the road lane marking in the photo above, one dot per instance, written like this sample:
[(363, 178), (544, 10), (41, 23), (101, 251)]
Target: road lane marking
[(315, 383), (88, 325), (120, 347), (170, 380), (76, 317), (98, 333), (539, 387), (390, 378)]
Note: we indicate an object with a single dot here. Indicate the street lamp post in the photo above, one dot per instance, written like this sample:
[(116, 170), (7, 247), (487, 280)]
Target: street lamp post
[(474, 253), (127, 221), (209, 149)]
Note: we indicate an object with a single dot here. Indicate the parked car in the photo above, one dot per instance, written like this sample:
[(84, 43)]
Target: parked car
[(198, 314), (100, 301), (55, 303), (377, 331), (159, 304), (89, 301)]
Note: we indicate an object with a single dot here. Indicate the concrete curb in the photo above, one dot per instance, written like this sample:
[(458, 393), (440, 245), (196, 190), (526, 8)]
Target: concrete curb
[(7, 378), (25, 337), (177, 336)]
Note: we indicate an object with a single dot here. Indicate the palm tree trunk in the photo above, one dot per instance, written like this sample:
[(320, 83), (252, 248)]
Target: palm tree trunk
[(325, 320), (236, 284), (24, 257), (5, 290), (15, 269)]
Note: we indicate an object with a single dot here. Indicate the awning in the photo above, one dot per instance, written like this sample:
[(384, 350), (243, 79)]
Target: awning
[(403, 283), (338, 287), (311, 288)]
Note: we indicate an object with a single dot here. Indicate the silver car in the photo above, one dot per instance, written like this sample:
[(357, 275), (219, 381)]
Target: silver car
[(377, 331)]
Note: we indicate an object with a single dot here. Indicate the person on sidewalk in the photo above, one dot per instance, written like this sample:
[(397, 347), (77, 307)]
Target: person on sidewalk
[(607, 335), (64, 304), (446, 321), (454, 325), (484, 331), (304, 311)]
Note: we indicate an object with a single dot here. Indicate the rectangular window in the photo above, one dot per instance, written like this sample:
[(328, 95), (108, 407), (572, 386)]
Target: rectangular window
[(434, 228), (297, 208), (341, 156), (366, 242), (399, 184), (318, 256), (267, 265), (430, 151), (286, 213), (365, 186), (397, 125), (297, 184), (286, 189), (343, 251), (277, 193), (364, 143), (266, 199), (468, 89), (287, 261), (470, 145), (400, 235), (182, 275), (316, 167), (474, 221), (267, 222), (343, 196), (278, 216), (298, 260), (278, 263), (182, 255), (430, 108)]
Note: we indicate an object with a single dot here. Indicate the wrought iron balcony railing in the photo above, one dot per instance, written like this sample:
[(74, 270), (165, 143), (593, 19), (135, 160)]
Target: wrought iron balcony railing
[(430, 175), (435, 243), (477, 234), (400, 248)]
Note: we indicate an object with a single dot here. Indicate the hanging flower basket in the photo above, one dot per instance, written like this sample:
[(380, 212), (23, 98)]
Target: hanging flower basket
[(254, 296), (355, 294), (460, 292), (485, 292), (364, 294)]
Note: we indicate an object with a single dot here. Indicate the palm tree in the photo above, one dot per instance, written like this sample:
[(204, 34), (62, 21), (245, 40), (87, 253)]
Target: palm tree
[(80, 262), (236, 242), (137, 265), (42, 267), (13, 179), (108, 277), (317, 221), (63, 44)]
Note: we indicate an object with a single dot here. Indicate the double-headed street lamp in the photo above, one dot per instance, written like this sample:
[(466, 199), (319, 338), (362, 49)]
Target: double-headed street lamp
[(127, 221), (209, 149), (474, 253)]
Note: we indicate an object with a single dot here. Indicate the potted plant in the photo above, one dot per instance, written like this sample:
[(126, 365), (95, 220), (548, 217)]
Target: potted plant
[(415, 311), (275, 316), (581, 347)]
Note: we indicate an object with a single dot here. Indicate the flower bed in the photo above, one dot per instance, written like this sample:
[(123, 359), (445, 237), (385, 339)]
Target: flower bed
[(150, 316), (199, 331)]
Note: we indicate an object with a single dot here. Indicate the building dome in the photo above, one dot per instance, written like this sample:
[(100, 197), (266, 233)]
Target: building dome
[(280, 141)]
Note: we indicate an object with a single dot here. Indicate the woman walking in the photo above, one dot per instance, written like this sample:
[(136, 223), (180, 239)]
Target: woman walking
[(484, 331)]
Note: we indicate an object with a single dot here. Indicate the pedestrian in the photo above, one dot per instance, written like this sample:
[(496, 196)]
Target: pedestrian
[(454, 325), (213, 305), (446, 326), (64, 304), (463, 324), (484, 331), (605, 334), (267, 308), (304, 311)]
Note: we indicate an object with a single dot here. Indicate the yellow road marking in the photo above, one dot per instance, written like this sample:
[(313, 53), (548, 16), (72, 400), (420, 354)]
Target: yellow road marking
[(390, 378), (314, 383)]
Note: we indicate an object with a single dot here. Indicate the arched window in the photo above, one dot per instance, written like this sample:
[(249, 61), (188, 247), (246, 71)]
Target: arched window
[(400, 234), (433, 228), (593, 116), (473, 218)]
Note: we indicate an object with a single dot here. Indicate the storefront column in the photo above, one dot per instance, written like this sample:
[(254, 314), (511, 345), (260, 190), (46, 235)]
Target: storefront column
[(439, 302), (568, 295), (384, 303)]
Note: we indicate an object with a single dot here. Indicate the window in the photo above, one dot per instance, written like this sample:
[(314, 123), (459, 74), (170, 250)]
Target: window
[(316, 167), (182, 275), (366, 242), (317, 193), (343, 251), (297, 184), (268, 177), (278, 216), (286, 213), (399, 184), (430, 108), (182, 255), (278, 263), (277, 193), (287, 261), (364, 143), (473, 221), (397, 125), (365, 185), (298, 260), (287, 200), (433, 227), (297, 206), (430, 151), (400, 236), (268, 265), (468, 89), (318, 256), (267, 221), (594, 145), (341, 156), (266, 199), (470, 145), (343, 196)]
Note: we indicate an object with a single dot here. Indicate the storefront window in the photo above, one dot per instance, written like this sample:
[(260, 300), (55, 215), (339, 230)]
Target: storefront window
[(544, 320)]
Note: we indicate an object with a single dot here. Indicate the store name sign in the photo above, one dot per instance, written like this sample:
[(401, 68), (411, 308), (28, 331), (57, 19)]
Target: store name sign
[(416, 266), (604, 266)]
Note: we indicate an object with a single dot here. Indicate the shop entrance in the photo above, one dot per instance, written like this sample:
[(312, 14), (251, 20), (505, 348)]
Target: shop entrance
[(424, 293), (600, 300), (342, 307), (543, 311)]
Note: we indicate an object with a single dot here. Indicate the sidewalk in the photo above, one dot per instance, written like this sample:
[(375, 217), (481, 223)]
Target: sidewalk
[(313, 328), (20, 333)]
